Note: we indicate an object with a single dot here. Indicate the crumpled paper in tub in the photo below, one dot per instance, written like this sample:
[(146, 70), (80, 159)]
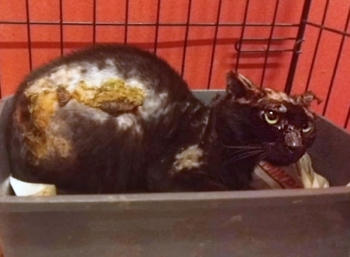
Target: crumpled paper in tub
[(297, 175)]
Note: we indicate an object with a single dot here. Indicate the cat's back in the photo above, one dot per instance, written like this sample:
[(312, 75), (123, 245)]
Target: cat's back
[(96, 64), (95, 109), (101, 82)]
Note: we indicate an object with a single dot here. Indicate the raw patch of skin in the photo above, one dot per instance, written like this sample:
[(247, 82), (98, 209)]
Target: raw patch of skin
[(113, 96), (41, 140)]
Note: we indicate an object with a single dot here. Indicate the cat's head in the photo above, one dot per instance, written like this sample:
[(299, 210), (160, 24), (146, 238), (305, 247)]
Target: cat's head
[(279, 124)]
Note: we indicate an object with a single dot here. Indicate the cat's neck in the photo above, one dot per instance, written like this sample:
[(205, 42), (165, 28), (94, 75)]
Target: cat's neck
[(223, 149)]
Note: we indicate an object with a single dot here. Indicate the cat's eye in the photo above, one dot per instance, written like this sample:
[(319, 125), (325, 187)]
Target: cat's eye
[(271, 117), (307, 127)]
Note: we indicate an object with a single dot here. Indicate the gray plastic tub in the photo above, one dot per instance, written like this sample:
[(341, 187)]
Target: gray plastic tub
[(269, 223)]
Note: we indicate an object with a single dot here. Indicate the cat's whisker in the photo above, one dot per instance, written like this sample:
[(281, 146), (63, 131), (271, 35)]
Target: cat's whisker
[(242, 151), (244, 155), (247, 154), (262, 156), (241, 146)]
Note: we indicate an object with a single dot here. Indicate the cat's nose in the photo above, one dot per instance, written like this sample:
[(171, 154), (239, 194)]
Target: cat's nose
[(293, 140)]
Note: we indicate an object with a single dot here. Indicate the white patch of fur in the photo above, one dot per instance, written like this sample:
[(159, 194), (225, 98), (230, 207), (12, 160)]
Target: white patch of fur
[(189, 158), (128, 121), (282, 108), (66, 75), (40, 85), (109, 62), (153, 105), (125, 121), (135, 84), (70, 76), (243, 100)]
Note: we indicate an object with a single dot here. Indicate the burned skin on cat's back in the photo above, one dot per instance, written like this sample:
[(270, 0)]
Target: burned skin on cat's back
[(47, 101)]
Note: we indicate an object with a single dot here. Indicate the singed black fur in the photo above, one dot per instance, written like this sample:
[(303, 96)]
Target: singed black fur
[(106, 159)]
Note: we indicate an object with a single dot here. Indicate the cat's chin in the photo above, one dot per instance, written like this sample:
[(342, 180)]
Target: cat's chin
[(285, 162)]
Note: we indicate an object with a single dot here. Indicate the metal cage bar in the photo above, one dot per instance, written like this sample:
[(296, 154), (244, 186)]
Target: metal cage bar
[(145, 24), (126, 21), (186, 36), (300, 38), (94, 22), (329, 91), (344, 33), (317, 46), (29, 38), (347, 119), (263, 41), (157, 27), (214, 44), (269, 42), (61, 26), (238, 49)]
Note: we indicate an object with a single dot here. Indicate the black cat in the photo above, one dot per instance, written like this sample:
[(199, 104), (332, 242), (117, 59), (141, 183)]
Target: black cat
[(114, 118)]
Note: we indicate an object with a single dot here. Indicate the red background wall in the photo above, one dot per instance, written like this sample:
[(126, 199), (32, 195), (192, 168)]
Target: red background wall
[(45, 41)]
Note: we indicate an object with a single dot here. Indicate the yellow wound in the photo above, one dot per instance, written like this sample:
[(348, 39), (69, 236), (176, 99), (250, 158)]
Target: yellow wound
[(112, 94)]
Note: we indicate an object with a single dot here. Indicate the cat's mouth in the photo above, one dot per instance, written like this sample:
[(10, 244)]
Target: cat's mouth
[(281, 155)]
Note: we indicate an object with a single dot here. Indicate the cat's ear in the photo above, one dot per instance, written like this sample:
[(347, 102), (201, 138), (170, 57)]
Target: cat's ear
[(238, 85), (307, 98)]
